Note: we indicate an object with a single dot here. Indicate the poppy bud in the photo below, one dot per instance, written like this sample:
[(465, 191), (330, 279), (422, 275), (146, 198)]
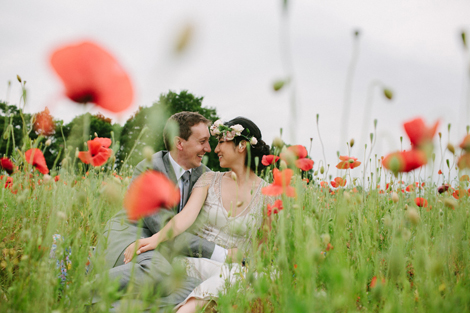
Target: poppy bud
[(371, 137), (318, 116), (277, 85), (47, 178), (278, 142), (322, 169), (388, 94), (413, 216), (48, 142), (351, 142), (19, 78), (464, 40), (76, 152), (448, 163), (96, 135), (282, 165), (234, 176), (148, 153), (468, 128), (357, 33), (451, 148), (184, 38), (395, 197), (239, 203), (6, 134)]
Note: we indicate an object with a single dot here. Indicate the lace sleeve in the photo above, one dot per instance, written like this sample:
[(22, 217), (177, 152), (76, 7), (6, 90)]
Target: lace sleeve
[(205, 179)]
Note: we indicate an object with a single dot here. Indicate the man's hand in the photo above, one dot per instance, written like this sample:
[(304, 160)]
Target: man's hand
[(142, 245)]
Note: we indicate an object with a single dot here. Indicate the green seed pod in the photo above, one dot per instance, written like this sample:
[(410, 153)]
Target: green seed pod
[(388, 94)]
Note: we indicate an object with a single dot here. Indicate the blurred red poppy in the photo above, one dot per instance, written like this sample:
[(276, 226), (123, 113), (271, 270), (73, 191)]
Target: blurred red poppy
[(44, 124), (466, 143), (464, 177), (7, 165), (464, 161), (458, 194), (98, 152), (338, 182), (418, 133), (443, 188), (299, 150), (275, 208), (421, 202), (281, 184), (439, 172), (269, 159), (91, 74), (404, 161), (148, 193), (324, 184), (347, 162), (35, 157), (304, 164)]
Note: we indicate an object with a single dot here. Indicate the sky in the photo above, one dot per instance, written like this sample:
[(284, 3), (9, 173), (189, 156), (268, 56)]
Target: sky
[(238, 50)]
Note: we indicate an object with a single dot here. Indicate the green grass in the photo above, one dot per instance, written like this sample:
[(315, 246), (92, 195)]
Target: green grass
[(423, 264)]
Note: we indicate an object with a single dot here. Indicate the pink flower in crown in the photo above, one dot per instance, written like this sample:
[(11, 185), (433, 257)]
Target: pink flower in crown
[(253, 141), (229, 135)]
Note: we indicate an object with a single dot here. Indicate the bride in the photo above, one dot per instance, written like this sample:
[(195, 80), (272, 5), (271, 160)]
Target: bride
[(232, 208)]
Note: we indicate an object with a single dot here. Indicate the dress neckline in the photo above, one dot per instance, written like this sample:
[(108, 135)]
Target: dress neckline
[(226, 212)]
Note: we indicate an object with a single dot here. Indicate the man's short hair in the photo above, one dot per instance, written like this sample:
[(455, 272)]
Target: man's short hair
[(184, 120)]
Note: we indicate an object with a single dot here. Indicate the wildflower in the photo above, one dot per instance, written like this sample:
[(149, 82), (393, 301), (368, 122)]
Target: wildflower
[(395, 197), (405, 161), (464, 161), (281, 184), (269, 159), (421, 202), (148, 193), (347, 162), (35, 157), (7, 165), (44, 123), (91, 74), (304, 164), (98, 152), (443, 188), (465, 145), (418, 133), (275, 208), (464, 178), (439, 172), (458, 194), (410, 188), (413, 215), (299, 150), (373, 282), (338, 182), (57, 178)]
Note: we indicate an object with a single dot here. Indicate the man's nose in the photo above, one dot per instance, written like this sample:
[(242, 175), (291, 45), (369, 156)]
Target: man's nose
[(207, 147)]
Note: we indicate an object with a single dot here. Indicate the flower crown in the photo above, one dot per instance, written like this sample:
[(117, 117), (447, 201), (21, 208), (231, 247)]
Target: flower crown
[(219, 130)]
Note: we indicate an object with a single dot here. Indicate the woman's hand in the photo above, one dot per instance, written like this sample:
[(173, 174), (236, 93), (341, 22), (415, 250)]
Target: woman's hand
[(143, 245)]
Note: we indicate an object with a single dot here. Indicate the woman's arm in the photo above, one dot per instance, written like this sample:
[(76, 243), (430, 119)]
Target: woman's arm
[(174, 227)]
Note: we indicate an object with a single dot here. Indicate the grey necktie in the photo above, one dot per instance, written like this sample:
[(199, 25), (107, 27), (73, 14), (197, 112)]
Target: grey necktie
[(185, 190)]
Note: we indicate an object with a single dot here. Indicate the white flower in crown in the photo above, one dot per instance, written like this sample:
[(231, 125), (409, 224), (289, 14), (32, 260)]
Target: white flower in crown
[(238, 129), (253, 141)]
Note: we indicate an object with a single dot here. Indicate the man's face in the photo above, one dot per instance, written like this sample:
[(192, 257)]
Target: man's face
[(193, 149)]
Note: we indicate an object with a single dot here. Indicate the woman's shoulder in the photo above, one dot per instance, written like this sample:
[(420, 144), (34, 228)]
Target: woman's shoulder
[(206, 179)]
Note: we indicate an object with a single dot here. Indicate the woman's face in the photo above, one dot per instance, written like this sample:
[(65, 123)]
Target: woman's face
[(227, 153)]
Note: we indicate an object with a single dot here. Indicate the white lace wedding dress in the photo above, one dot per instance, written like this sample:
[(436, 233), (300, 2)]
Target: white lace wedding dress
[(215, 224)]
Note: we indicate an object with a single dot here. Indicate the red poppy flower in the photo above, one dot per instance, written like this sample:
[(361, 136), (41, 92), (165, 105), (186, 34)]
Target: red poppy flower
[(9, 182), (347, 162), (329, 247), (91, 74), (98, 152), (418, 133), (439, 172), (466, 143), (35, 157), (299, 151), (404, 161), (443, 188), (324, 184), (148, 193), (7, 165), (373, 282), (57, 178), (464, 178), (458, 194), (410, 188), (275, 208), (304, 164), (421, 202), (269, 159), (44, 123), (338, 182), (281, 184)]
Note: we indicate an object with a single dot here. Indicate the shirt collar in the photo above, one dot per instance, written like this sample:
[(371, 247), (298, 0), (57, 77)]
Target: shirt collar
[(179, 171)]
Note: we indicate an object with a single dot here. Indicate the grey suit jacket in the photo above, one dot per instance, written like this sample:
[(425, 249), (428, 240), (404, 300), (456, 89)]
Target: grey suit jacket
[(120, 232)]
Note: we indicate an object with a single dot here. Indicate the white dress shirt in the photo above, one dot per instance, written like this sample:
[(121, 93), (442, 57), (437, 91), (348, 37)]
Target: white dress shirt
[(219, 254)]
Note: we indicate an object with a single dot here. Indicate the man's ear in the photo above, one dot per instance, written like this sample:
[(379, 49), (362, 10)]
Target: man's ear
[(178, 142)]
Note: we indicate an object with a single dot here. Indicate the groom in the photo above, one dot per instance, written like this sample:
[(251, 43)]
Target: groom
[(183, 165)]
